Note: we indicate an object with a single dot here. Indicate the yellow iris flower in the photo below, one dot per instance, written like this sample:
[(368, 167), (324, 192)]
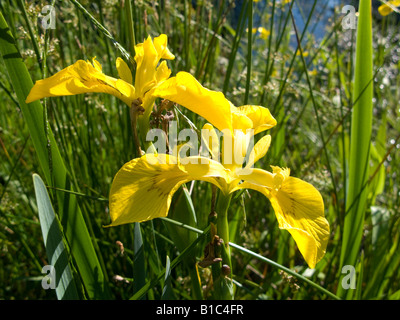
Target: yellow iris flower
[(150, 83), (384, 9), (143, 188), (84, 76)]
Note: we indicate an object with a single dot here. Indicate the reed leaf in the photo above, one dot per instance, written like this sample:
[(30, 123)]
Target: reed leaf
[(360, 139), (53, 239)]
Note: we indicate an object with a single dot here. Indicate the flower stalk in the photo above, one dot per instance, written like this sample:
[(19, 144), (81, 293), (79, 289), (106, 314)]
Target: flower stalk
[(222, 223), (222, 271), (134, 111)]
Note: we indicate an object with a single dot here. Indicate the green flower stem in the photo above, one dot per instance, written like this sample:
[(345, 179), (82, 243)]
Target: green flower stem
[(144, 126), (222, 220), (222, 273), (133, 114)]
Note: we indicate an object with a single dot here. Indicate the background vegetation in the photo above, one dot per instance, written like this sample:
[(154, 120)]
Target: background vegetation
[(310, 93)]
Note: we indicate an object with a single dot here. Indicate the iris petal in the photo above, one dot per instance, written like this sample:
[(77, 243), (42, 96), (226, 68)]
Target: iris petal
[(81, 77), (252, 117), (298, 207), (124, 71), (185, 90), (143, 188), (260, 150), (160, 44)]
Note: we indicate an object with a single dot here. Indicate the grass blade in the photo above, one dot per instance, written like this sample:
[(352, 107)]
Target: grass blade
[(167, 293), (249, 49), (103, 30), (53, 240), (139, 270), (235, 46), (361, 126)]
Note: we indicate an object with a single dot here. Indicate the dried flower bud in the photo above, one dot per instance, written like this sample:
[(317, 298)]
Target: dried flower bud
[(120, 247)]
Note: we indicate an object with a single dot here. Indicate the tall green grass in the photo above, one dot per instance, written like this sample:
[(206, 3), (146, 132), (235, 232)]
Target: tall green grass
[(75, 229), (315, 93)]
